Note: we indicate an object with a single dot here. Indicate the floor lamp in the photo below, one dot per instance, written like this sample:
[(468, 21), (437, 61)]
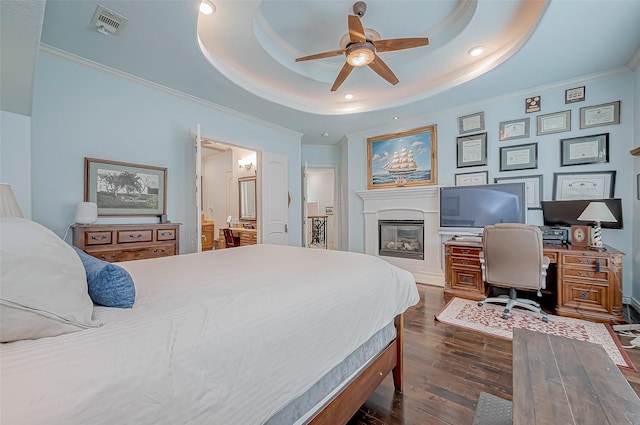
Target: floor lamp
[(597, 212)]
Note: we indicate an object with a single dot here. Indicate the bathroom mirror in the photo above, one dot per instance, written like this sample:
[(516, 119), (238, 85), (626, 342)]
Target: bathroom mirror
[(247, 198)]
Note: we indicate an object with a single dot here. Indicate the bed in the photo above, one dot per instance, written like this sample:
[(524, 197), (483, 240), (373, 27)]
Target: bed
[(261, 334)]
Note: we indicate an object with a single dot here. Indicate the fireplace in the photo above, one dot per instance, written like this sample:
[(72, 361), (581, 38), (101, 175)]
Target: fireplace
[(401, 238)]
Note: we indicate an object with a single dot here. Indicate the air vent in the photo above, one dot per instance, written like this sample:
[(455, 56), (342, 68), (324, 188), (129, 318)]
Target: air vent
[(108, 21)]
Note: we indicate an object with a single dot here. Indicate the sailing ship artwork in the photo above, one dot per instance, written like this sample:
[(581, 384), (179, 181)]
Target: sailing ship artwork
[(403, 159)]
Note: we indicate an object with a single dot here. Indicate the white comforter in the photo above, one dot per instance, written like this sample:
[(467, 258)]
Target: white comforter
[(221, 337)]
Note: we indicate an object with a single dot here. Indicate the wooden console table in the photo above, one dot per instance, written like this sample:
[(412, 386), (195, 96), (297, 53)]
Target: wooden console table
[(124, 242), (558, 380), (587, 283)]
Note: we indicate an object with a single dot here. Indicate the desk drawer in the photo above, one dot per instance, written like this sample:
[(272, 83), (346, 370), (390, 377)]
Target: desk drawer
[(465, 251), (473, 262), (97, 238), (552, 256), (128, 236), (248, 238), (583, 260), (586, 273), (467, 280), (585, 296)]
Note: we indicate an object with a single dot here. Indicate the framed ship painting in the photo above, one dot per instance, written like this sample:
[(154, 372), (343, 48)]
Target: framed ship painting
[(408, 158)]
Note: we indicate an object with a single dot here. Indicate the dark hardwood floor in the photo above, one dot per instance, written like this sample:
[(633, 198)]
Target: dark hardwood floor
[(445, 369)]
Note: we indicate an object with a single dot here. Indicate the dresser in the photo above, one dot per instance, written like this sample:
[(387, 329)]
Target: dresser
[(124, 242), (586, 284), (247, 236)]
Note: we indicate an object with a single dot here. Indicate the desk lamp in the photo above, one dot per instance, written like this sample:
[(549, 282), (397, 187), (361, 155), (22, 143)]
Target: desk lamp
[(597, 212), (8, 204)]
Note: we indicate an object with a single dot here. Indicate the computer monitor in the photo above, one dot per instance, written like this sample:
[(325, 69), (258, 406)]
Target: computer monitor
[(566, 213)]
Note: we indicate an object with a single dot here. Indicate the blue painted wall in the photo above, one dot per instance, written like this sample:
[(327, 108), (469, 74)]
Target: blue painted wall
[(80, 111)]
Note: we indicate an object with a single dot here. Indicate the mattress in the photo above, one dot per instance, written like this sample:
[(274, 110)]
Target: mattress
[(228, 336)]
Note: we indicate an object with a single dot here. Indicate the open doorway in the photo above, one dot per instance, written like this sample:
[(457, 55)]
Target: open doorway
[(320, 196), (228, 194)]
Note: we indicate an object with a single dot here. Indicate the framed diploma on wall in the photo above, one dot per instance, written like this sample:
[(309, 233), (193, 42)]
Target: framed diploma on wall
[(604, 114), (584, 150), (519, 157), (584, 185)]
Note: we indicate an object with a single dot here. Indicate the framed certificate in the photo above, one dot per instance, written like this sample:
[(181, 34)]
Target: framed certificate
[(471, 123), (553, 123), (516, 129), (586, 185), (605, 114), (533, 186), (519, 157), (584, 150), (472, 150), (472, 179)]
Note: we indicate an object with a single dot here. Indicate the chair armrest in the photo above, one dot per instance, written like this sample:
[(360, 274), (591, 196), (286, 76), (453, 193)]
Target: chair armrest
[(545, 266), (482, 266)]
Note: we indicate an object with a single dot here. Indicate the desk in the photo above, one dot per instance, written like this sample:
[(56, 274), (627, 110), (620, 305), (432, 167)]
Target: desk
[(247, 236), (559, 381), (581, 288)]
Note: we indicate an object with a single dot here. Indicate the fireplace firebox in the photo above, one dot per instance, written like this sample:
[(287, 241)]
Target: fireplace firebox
[(401, 238)]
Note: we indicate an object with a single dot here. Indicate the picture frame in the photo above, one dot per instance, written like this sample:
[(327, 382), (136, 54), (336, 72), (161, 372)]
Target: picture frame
[(556, 122), (125, 189), (328, 210), (533, 186), (592, 149), (471, 150), (577, 94), (387, 153), (597, 115), (514, 129), (471, 123), (638, 185), (584, 185), (472, 179), (532, 104), (519, 157)]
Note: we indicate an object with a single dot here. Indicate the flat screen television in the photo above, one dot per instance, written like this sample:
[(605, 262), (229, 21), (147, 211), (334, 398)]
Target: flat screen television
[(566, 213), (467, 209)]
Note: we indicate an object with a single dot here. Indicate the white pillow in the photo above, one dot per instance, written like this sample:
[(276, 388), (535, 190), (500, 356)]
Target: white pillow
[(43, 286)]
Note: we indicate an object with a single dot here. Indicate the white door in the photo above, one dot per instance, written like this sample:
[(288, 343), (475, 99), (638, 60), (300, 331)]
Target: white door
[(198, 156), (305, 208), (274, 200)]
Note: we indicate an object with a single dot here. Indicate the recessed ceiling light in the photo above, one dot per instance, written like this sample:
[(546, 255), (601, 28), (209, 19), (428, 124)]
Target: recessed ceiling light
[(207, 7), (476, 51), (325, 134), (348, 96), (396, 117)]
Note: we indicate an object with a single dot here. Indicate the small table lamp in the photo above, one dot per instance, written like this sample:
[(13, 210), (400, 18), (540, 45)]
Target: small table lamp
[(8, 204), (597, 212)]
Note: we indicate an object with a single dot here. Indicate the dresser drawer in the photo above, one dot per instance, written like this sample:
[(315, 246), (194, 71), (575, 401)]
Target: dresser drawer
[(129, 236), (586, 273), (465, 251), (473, 262), (582, 260), (127, 254), (166, 234), (97, 238), (466, 280)]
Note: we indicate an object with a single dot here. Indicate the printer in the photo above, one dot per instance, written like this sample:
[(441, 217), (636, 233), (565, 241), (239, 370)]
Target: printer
[(554, 235)]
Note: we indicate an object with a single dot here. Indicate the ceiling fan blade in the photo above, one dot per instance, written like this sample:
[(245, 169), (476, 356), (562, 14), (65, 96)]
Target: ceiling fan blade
[(356, 30), (321, 55), (399, 43), (344, 73), (383, 70)]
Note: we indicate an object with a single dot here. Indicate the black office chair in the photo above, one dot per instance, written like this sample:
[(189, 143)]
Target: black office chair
[(230, 240)]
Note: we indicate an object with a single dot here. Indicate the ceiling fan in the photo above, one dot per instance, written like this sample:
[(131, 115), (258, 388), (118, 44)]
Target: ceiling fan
[(362, 47)]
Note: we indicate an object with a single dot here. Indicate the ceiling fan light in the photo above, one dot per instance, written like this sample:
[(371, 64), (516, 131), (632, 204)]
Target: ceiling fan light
[(207, 7), (360, 54), (476, 51)]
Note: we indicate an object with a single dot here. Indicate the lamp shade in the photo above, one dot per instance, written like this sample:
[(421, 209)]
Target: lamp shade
[(86, 213), (598, 212), (8, 204)]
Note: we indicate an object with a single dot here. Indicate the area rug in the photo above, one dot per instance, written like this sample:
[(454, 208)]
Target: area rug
[(488, 319)]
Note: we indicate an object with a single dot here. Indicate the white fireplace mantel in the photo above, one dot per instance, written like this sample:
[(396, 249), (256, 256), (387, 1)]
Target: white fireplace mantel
[(411, 203)]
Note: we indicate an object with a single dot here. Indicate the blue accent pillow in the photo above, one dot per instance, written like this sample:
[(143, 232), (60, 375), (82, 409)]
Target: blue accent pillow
[(109, 284)]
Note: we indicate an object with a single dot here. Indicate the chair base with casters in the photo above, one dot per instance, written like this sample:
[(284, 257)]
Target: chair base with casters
[(512, 301)]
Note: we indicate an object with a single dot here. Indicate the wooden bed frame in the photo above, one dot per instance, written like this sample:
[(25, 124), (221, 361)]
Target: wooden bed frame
[(347, 402)]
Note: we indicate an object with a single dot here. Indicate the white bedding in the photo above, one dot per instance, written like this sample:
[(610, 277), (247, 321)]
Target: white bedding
[(220, 337)]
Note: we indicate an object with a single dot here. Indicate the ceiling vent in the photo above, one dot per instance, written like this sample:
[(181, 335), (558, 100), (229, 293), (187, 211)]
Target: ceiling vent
[(108, 21)]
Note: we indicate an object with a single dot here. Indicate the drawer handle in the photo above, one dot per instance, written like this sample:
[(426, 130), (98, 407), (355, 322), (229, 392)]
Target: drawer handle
[(464, 262), (136, 236), (204, 238), (155, 251), (465, 279), (465, 251), (584, 260), (165, 234), (584, 274), (113, 255), (99, 238), (584, 295)]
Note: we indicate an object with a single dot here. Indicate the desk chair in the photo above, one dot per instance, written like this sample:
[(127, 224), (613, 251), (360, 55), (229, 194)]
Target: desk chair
[(230, 240), (512, 258)]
